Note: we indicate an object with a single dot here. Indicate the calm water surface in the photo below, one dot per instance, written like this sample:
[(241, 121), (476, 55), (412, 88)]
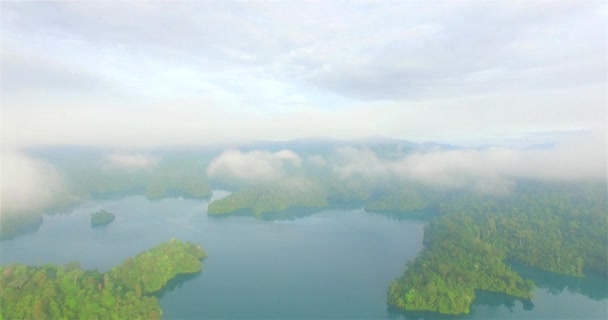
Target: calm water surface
[(334, 264)]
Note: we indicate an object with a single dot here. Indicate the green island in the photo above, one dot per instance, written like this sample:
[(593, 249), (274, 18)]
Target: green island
[(69, 292), (273, 197), (101, 218), (560, 229)]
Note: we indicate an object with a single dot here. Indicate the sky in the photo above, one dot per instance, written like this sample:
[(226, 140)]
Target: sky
[(134, 76), (153, 74)]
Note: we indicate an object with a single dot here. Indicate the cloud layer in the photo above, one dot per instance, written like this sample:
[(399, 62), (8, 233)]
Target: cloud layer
[(253, 166), (194, 73), (122, 160), (28, 185), (491, 170), (160, 74)]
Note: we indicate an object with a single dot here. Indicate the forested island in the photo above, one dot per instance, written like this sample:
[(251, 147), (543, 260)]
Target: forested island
[(555, 228), (69, 292), (101, 218), (272, 197)]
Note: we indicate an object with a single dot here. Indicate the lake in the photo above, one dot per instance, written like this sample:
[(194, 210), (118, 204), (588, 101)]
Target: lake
[(333, 264)]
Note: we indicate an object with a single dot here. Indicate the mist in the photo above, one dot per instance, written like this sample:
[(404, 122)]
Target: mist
[(252, 166), (29, 185), (123, 160), (491, 170)]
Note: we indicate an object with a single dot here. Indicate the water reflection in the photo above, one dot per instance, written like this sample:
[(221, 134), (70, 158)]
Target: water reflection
[(483, 298), (177, 283), (592, 286), (395, 313), (564, 289), (496, 299)]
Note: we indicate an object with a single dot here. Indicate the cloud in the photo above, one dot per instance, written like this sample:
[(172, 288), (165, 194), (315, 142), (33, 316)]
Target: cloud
[(199, 122), (192, 73), (129, 161), (287, 155), (29, 185), (349, 162), (492, 170), (252, 166), (281, 53), (317, 160)]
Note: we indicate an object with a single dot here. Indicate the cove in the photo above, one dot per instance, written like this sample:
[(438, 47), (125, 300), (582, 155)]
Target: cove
[(332, 264)]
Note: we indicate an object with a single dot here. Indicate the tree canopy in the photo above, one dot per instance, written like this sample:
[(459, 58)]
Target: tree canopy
[(69, 292)]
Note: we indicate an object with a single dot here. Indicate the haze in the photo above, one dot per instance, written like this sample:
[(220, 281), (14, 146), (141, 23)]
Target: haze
[(209, 73), (447, 158)]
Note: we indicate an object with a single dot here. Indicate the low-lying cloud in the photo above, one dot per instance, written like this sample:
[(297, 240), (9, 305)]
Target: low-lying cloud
[(122, 160), (253, 166), (29, 185), (492, 170)]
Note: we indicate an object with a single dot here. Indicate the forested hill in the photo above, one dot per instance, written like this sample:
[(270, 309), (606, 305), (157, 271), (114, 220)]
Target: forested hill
[(273, 197), (69, 292), (557, 229)]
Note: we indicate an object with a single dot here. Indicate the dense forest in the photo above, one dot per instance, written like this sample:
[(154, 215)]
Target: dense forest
[(272, 197), (402, 199), (555, 228), (69, 292)]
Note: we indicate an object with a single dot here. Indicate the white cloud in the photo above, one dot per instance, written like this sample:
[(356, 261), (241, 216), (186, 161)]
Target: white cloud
[(288, 155), (199, 122), (492, 170), (28, 185), (222, 69), (129, 161), (349, 162), (252, 166), (317, 160)]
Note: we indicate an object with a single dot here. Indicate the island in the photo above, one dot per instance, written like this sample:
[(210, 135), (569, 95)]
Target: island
[(278, 196), (101, 218), (69, 292), (472, 245)]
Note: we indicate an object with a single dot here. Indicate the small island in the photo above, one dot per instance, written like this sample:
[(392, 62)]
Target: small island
[(101, 218)]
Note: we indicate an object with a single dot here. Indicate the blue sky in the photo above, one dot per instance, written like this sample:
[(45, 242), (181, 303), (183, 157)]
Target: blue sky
[(147, 74)]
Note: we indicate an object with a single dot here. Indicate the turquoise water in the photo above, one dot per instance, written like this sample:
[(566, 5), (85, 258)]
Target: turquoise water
[(334, 264)]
